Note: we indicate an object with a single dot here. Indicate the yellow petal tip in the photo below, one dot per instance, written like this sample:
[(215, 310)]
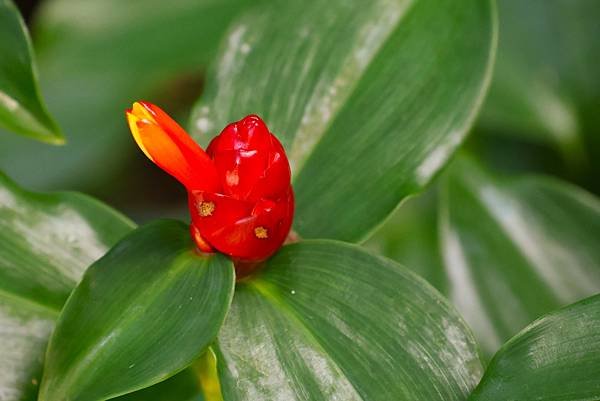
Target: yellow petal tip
[(133, 120)]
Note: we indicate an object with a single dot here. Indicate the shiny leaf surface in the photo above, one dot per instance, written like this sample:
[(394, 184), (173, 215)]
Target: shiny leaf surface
[(326, 321), (49, 239), (22, 109), (515, 249), (557, 358), (46, 242), (142, 312), (368, 104)]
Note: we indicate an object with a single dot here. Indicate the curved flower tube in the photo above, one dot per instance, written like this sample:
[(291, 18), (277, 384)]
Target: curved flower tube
[(239, 191)]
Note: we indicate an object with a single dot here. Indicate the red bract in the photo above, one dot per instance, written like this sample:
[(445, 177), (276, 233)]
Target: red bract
[(239, 192)]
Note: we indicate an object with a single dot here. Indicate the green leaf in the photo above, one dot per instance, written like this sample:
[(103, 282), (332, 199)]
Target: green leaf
[(25, 328), (49, 239), (326, 320), (22, 109), (546, 78), (557, 358), (142, 313), (369, 98), (410, 237), (96, 58), (184, 386), (515, 249), (46, 242)]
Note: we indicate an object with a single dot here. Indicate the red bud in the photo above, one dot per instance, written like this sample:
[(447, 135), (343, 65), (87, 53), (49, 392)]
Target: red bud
[(239, 191)]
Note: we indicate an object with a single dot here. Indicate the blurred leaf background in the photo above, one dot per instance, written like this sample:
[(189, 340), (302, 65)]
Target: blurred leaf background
[(504, 245), (93, 63), (540, 115)]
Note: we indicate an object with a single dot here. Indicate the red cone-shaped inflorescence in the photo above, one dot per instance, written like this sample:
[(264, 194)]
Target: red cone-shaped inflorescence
[(239, 192)]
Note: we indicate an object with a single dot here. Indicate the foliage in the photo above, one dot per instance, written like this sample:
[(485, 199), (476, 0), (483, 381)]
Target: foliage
[(371, 101), (349, 118), (21, 107)]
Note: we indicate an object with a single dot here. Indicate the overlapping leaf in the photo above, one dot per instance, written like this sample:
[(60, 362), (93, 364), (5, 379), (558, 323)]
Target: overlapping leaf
[(142, 312), (22, 109), (326, 320), (410, 237), (46, 242), (369, 104), (516, 249), (557, 358)]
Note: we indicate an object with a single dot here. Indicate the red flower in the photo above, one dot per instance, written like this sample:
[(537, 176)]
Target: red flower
[(239, 192)]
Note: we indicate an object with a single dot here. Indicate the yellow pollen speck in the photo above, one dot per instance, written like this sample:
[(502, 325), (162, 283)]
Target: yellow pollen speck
[(261, 232), (206, 208)]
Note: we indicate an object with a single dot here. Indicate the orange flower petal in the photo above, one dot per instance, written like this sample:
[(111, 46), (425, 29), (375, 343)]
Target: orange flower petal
[(171, 148)]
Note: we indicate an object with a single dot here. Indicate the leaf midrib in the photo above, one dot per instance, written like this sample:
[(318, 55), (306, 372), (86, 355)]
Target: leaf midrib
[(536, 267), (176, 265), (299, 164), (471, 185)]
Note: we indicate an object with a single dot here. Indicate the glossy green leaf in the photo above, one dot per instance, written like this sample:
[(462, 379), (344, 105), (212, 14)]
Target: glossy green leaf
[(46, 242), (22, 109), (95, 59), (557, 358), (515, 249), (546, 81), (327, 320), (142, 312), (369, 98)]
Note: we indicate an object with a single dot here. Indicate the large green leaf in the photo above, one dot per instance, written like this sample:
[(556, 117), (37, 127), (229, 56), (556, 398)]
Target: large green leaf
[(22, 109), (49, 239), (96, 58), (557, 358), (142, 312), (515, 249), (329, 321), (546, 82), (46, 242), (369, 98)]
